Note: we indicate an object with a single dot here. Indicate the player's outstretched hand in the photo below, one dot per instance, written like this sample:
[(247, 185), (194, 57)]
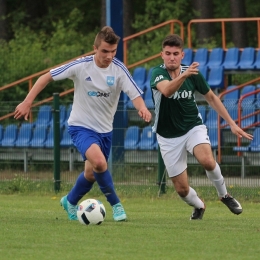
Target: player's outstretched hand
[(193, 69), (22, 111), (145, 114), (240, 133)]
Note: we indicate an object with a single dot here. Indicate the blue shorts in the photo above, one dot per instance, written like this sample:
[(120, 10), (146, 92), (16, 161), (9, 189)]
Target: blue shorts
[(83, 138)]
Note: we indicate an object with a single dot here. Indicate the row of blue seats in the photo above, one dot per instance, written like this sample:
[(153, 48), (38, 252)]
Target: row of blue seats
[(249, 105), (45, 117), (213, 64), (140, 139), (254, 145), (40, 136), (144, 139), (215, 78), (232, 59)]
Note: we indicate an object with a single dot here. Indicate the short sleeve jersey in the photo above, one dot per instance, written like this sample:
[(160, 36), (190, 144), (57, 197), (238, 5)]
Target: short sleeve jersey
[(177, 114), (96, 91)]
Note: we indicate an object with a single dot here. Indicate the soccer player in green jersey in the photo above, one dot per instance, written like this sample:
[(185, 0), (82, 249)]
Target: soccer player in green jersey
[(179, 126)]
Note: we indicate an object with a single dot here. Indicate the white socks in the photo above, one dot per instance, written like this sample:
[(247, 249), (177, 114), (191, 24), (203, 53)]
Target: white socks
[(218, 181), (192, 199)]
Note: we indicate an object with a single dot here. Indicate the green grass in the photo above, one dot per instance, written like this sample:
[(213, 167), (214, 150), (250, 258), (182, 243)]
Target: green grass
[(36, 227)]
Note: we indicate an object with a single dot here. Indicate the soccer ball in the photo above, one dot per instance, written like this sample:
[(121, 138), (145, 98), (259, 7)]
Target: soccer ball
[(91, 212)]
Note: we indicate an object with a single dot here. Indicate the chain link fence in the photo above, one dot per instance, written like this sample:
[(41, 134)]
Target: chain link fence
[(29, 166)]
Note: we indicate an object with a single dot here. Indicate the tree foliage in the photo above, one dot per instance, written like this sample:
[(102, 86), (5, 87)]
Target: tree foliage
[(41, 34)]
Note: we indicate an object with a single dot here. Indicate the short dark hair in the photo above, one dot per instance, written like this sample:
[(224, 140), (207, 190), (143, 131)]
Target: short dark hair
[(108, 35), (173, 40)]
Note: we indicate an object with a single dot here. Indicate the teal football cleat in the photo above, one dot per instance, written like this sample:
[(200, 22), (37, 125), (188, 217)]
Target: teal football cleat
[(119, 212), (71, 209)]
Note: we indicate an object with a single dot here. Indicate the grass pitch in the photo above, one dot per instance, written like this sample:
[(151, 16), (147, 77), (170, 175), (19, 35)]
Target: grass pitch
[(36, 227)]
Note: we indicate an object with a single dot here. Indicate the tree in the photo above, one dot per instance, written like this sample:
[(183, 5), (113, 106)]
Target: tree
[(103, 13), (203, 10), (128, 17), (239, 30), (3, 33)]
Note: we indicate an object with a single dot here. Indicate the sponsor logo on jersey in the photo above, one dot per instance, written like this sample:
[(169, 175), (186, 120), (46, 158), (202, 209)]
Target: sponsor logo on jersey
[(88, 79), (158, 78), (182, 94), (98, 94), (110, 81)]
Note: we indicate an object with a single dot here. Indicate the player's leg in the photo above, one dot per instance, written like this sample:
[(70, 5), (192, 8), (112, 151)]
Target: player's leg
[(203, 154), (82, 186), (85, 180), (174, 155), (104, 179), (189, 195)]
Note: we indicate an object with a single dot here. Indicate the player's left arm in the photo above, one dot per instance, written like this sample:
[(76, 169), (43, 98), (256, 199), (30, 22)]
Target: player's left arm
[(140, 106), (218, 106)]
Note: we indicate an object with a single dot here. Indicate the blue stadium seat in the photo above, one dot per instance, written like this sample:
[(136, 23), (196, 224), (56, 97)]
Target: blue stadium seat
[(129, 104), (231, 98), (148, 78), (233, 112), (24, 136), (216, 57), (139, 76), (132, 138), (248, 106), (216, 77), (203, 112), (44, 116), (49, 143), (188, 56), (156, 145), (148, 99), (69, 108), (10, 135), (247, 59), (204, 71), (1, 134), (201, 56), (249, 100), (231, 59), (254, 145), (66, 140), (257, 102), (257, 60), (212, 119), (39, 136), (146, 86), (63, 115), (249, 120), (213, 137), (148, 139)]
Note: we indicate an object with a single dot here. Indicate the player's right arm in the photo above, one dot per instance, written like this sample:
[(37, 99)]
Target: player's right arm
[(168, 88), (23, 109)]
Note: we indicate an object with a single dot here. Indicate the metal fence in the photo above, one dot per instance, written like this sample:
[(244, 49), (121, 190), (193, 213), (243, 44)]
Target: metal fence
[(27, 163)]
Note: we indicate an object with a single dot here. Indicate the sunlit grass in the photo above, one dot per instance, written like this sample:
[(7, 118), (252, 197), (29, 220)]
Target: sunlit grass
[(36, 227)]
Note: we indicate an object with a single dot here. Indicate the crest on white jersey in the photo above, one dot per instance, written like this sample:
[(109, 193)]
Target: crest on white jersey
[(110, 81)]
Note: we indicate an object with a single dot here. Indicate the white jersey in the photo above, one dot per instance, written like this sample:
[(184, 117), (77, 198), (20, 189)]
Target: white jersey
[(96, 91)]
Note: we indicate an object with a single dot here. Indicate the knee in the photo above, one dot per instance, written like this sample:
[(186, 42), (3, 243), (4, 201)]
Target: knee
[(89, 175), (209, 165), (183, 191), (99, 165)]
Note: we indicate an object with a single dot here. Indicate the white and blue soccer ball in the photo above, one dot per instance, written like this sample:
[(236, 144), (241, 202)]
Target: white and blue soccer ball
[(91, 212)]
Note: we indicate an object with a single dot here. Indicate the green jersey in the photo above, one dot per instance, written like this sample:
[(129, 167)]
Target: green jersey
[(177, 114)]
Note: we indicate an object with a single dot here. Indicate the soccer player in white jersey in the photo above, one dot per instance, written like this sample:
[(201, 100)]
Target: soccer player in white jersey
[(98, 82), (179, 126)]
